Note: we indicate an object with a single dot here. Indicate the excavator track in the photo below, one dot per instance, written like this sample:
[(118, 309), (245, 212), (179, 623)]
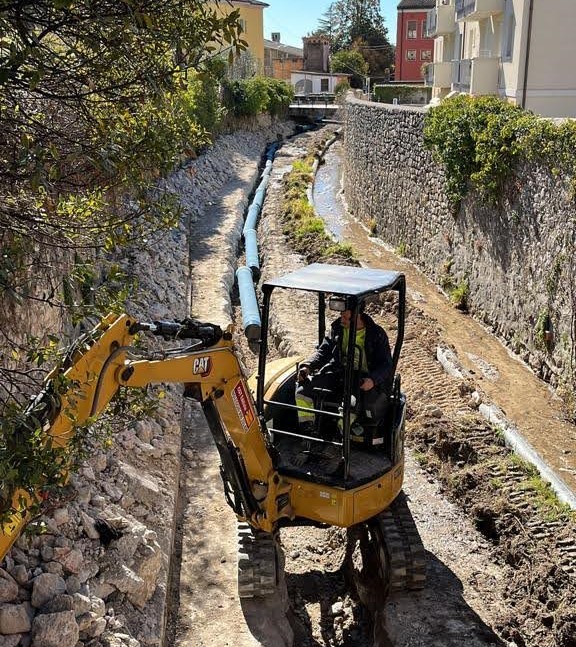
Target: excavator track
[(386, 555), (406, 552), (257, 562)]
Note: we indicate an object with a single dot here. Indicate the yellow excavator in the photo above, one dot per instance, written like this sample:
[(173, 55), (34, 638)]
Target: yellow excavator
[(273, 475)]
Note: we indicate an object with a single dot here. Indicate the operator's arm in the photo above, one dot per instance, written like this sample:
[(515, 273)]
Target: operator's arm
[(321, 357)]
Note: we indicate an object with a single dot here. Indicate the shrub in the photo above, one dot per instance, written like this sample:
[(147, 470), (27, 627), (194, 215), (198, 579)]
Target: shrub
[(479, 141), (247, 98)]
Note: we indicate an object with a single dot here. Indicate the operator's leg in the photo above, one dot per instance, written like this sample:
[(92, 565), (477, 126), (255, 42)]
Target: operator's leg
[(305, 400), (305, 397)]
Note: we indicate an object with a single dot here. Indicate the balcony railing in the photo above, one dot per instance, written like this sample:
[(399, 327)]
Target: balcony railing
[(478, 9), (440, 21), (476, 75)]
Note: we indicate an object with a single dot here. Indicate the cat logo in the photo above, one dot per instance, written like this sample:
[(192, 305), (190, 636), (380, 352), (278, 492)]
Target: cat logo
[(202, 366)]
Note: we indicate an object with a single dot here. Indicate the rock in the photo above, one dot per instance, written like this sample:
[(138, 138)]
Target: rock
[(45, 587), (61, 516), (55, 630), (88, 526), (82, 604), (14, 618), (20, 574), (143, 488), (73, 584), (62, 602), (71, 560), (8, 587), (96, 628), (98, 607), (337, 609), (54, 567), (12, 640)]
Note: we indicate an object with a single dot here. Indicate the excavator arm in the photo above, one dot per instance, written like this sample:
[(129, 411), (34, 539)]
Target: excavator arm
[(105, 359)]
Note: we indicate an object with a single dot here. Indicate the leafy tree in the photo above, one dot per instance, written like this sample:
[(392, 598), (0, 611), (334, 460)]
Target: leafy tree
[(350, 62), (358, 24), (97, 99)]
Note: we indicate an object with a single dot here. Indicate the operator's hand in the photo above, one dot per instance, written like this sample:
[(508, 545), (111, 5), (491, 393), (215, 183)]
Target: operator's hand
[(367, 384), (303, 373)]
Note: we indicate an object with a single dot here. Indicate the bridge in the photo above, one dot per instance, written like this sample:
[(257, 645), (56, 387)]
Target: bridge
[(313, 107)]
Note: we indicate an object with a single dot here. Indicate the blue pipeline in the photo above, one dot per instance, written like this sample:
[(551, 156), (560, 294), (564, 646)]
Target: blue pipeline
[(251, 247), (251, 218), (251, 321), (259, 198)]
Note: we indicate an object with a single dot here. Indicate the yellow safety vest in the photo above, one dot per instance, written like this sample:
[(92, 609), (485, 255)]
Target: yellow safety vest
[(360, 342)]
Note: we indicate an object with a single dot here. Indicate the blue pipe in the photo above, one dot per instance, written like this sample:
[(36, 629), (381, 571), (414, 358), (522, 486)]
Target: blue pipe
[(259, 198), (248, 303), (251, 247), (251, 217)]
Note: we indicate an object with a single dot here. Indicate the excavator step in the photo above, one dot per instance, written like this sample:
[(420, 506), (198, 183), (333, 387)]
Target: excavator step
[(257, 562)]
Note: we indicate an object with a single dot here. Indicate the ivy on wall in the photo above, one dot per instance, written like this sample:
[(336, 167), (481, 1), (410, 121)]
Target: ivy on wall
[(480, 140)]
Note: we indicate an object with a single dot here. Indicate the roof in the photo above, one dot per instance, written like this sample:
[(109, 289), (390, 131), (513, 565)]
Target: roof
[(296, 52), (416, 4), (338, 279), (254, 2)]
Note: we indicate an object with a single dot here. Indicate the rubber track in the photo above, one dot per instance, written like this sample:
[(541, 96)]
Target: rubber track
[(257, 562), (405, 550)]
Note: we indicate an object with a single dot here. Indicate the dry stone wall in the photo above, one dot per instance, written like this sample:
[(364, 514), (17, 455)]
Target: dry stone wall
[(518, 258)]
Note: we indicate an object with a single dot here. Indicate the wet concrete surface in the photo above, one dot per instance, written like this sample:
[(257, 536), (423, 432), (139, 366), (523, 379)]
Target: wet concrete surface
[(526, 401)]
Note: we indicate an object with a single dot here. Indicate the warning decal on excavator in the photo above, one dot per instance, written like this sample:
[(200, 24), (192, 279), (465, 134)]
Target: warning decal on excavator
[(243, 406)]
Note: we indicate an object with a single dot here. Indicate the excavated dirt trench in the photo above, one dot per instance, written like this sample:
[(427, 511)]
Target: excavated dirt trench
[(500, 570)]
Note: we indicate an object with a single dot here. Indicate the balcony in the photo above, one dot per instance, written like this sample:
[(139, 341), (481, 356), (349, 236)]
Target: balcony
[(476, 75), (439, 75), (440, 21), (478, 9)]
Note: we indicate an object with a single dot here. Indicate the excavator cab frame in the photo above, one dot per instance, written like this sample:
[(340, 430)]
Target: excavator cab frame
[(342, 288)]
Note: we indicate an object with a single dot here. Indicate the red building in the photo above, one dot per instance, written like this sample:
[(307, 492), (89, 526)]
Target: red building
[(413, 49)]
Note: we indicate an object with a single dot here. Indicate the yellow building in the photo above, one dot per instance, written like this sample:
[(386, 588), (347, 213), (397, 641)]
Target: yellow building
[(252, 23)]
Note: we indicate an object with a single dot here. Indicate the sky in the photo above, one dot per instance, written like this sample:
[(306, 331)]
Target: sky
[(297, 18)]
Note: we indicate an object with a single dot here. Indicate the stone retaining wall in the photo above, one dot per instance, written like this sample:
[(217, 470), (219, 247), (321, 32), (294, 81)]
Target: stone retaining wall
[(518, 259)]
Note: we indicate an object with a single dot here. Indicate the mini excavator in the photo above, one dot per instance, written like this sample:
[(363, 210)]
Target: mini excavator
[(347, 478)]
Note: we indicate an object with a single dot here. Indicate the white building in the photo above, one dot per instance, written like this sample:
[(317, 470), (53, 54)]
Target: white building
[(521, 50), (316, 82)]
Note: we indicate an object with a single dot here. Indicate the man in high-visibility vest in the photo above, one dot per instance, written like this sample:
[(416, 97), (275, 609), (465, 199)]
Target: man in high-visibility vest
[(325, 369)]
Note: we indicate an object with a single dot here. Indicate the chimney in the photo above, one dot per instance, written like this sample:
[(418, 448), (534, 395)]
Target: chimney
[(276, 36), (316, 54)]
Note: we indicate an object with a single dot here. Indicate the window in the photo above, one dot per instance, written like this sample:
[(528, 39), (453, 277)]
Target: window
[(426, 55), (324, 85), (412, 29), (242, 24), (509, 30), (423, 29), (411, 55)]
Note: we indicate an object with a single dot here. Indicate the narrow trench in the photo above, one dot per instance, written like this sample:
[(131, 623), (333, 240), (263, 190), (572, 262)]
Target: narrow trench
[(313, 591)]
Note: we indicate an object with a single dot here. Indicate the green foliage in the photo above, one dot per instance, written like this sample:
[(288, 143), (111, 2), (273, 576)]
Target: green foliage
[(460, 294), (541, 331), (350, 62), (246, 98), (341, 88), (304, 229), (402, 249), (480, 140)]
